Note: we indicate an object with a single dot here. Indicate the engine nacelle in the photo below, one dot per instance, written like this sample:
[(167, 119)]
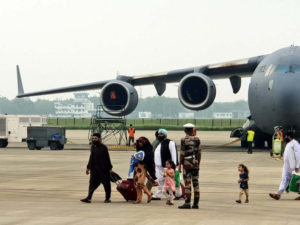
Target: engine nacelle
[(119, 98), (196, 91)]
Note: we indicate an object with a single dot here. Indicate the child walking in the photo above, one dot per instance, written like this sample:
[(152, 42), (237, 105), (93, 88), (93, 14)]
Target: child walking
[(243, 181), (169, 185)]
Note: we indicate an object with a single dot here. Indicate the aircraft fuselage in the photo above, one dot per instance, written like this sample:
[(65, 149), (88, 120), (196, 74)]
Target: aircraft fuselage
[(274, 91)]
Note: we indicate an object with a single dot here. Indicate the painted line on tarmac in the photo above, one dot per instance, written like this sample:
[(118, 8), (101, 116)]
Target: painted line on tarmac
[(226, 144)]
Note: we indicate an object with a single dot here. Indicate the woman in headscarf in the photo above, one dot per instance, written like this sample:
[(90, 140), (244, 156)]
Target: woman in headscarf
[(143, 144)]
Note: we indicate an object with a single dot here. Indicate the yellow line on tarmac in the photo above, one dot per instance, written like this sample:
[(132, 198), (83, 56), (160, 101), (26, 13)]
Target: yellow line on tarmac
[(123, 147), (226, 144), (230, 143)]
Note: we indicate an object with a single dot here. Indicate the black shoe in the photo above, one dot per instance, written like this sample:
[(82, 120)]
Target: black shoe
[(107, 201), (86, 200), (196, 202), (154, 198), (184, 206)]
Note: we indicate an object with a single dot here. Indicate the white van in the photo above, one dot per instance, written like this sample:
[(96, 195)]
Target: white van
[(13, 128)]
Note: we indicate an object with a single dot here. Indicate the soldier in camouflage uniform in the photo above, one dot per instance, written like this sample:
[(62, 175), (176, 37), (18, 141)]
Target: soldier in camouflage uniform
[(190, 156)]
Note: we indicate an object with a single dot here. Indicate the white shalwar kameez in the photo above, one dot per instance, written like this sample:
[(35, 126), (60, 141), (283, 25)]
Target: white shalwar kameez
[(159, 170), (291, 161)]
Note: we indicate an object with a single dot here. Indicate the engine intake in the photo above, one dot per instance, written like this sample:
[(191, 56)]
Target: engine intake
[(196, 91), (119, 98)]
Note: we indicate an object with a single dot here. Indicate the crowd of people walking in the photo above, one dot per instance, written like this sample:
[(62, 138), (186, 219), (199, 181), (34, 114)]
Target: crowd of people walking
[(159, 164)]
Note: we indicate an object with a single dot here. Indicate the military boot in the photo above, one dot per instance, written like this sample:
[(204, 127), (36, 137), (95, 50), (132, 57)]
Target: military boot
[(196, 202), (186, 205)]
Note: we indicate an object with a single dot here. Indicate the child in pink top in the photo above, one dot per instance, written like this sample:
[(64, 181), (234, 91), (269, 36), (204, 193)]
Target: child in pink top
[(169, 185)]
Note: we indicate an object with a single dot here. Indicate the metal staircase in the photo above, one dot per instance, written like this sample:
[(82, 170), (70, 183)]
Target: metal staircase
[(110, 128)]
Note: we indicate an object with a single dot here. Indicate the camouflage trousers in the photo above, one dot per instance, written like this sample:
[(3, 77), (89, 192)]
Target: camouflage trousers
[(191, 176)]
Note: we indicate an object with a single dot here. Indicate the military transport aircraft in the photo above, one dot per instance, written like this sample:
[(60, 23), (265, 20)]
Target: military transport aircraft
[(273, 96)]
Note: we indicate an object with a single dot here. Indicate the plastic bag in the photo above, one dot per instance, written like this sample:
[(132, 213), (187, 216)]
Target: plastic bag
[(177, 178), (295, 183)]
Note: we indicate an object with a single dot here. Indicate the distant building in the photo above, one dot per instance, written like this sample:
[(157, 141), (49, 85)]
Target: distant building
[(80, 106), (240, 114), (145, 115), (186, 115), (222, 115)]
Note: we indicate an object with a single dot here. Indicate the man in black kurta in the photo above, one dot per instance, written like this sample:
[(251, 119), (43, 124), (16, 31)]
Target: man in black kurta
[(99, 167)]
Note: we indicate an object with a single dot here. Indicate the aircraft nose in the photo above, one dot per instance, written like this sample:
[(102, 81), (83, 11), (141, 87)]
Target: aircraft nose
[(287, 94)]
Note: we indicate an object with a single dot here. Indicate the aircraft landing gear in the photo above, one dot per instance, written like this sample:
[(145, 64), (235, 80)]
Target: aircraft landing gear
[(244, 144), (259, 142)]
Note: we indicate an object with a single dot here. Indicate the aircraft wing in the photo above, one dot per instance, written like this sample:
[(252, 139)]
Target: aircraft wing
[(242, 68), (237, 68)]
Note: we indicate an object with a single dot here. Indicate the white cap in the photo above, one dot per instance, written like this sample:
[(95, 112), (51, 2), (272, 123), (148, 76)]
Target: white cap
[(189, 125)]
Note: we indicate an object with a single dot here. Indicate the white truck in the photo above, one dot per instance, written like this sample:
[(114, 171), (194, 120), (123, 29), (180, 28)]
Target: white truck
[(13, 128)]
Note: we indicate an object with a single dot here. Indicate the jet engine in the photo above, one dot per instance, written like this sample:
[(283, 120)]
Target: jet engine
[(196, 91), (119, 98)]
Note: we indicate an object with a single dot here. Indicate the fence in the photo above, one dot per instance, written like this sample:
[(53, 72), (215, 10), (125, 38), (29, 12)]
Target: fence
[(70, 122), (149, 124)]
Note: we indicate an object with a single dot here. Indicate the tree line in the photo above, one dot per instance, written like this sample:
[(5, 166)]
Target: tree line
[(160, 107)]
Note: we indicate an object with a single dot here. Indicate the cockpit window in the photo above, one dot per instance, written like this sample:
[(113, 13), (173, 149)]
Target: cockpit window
[(282, 69), (296, 68), (269, 70), (287, 69)]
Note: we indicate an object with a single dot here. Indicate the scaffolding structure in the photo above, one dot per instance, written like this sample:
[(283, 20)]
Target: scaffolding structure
[(109, 127)]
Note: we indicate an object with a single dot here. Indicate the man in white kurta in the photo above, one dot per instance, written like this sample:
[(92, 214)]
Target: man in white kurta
[(291, 164), (165, 150)]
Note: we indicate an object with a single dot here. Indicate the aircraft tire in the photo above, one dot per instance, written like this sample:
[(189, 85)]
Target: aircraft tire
[(259, 143), (269, 142)]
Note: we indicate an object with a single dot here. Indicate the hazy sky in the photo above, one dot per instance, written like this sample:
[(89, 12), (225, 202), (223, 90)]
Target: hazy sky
[(65, 42)]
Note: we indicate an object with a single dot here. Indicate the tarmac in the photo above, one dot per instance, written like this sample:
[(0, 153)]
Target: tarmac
[(44, 187)]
